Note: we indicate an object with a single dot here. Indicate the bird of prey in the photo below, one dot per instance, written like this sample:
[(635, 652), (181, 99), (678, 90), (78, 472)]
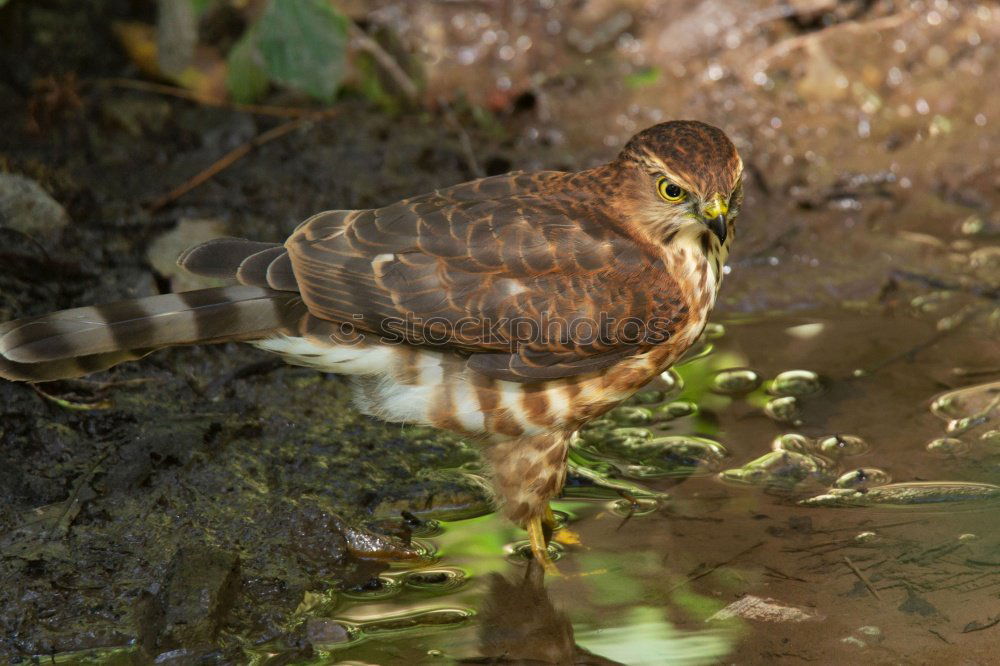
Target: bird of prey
[(510, 309)]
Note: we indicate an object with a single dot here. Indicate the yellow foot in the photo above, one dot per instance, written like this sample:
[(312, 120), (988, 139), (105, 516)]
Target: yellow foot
[(539, 548)]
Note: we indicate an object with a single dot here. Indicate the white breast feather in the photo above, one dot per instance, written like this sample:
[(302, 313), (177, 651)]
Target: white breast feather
[(342, 359)]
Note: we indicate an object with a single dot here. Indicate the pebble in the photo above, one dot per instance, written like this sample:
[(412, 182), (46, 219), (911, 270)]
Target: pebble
[(796, 383), (863, 477), (26, 207), (947, 447), (675, 410), (735, 381), (647, 397), (793, 441), (784, 410), (672, 382), (839, 446), (163, 251), (990, 438), (631, 416)]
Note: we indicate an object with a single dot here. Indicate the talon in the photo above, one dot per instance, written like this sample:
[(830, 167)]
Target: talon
[(539, 547)]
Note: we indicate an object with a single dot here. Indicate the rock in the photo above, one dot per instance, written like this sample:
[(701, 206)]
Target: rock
[(917, 605), (176, 37), (765, 610), (135, 115), (871, 633), (26, 207), (822, 80), (200, 587), (321, 630), (446, 494), (163, 252)]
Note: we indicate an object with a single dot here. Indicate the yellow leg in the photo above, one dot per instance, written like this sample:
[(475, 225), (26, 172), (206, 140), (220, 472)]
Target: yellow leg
[(549, 518), (539, 549)]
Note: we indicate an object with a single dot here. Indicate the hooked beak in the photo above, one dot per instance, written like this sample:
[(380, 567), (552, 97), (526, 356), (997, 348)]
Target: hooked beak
[(714, 216)]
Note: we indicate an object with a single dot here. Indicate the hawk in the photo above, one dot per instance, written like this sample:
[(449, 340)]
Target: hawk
[(510, 309)]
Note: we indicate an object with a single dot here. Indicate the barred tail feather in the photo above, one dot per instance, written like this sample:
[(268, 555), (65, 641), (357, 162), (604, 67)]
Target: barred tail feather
[(76, 342), (66, 368)]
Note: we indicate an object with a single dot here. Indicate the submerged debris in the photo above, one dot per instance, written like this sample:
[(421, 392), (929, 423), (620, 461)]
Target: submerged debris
[(635, 453), (969, 407), (914, 493), (781, 469)]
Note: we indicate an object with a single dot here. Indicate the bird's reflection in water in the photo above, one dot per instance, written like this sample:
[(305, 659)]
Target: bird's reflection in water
[(519, 625)]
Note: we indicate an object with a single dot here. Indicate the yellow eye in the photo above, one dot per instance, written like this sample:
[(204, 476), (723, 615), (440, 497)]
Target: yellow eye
[(669, 191)]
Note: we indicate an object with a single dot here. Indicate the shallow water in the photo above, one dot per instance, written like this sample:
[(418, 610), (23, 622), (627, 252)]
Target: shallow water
[(917, 570)]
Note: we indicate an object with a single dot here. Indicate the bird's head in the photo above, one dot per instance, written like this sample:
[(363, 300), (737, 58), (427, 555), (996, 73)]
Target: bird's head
[(681, 178)]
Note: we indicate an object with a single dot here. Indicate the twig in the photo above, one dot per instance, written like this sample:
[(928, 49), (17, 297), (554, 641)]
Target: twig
[(71, 404), (365, 43), (882, 526), (463, 138), (234, 156), (962, 316), (191, 96), (938, 283), (701, 574), (975, 626), (777, 573), (786, 46), (862, 578), (975, 372), (633, 504), (977, 419), (74, 498), (938, 634)]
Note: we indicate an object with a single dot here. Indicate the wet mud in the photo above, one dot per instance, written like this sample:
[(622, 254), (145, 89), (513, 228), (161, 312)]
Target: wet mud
[(817, 482)]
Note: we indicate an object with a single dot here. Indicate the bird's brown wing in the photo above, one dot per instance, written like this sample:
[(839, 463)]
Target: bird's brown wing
[(532, 281)]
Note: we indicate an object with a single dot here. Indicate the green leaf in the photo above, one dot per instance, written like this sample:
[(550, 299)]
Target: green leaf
[(246, 78), (644, 77), (371, 87), (304, 44)]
